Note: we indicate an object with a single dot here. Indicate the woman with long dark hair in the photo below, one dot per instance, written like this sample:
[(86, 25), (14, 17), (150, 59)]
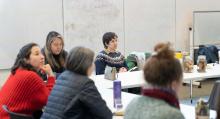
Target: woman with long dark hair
[(24, 91)]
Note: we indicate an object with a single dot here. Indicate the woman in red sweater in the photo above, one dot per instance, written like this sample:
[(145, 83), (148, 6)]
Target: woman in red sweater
[(24, 91)]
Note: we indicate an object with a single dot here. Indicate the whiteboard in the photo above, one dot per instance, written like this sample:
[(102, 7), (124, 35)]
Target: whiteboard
[(24, 21), (139, 24), (85, 22), (206, 28)]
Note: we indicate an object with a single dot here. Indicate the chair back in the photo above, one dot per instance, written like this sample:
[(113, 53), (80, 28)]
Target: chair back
[(214, 97), (14, 115)]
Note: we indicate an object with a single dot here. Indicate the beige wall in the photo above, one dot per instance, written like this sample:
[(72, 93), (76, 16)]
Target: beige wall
[(145, 22), (184, 18)]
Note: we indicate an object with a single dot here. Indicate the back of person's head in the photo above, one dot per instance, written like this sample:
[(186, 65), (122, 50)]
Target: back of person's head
[(107, 37), (79, 60), (162, 68), (49, 53), (22, 57)]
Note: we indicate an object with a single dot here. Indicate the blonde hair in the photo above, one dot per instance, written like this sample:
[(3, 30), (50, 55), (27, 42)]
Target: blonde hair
[(48, 52)]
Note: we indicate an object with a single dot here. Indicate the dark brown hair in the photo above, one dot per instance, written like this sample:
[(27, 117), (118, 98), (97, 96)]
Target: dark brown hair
[(22, 56), (162, 68), (79, 60), (107, 37)]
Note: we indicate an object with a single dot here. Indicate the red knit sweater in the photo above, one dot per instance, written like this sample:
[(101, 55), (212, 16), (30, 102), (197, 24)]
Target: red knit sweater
[(24, 92)]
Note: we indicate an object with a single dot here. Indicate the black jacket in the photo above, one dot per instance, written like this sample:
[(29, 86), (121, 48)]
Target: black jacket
[(210, 51), (75, 97), (56, 69)]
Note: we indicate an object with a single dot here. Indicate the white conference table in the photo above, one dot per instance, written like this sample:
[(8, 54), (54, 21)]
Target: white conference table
[(212, 71), (189, 112), (136, 79), (128, 80), (107, 95)]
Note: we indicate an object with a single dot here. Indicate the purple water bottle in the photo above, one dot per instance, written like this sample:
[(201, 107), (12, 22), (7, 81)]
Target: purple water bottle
[(117, 94)]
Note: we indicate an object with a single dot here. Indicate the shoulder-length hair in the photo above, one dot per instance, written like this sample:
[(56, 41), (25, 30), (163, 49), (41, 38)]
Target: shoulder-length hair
[(79, 60), (48, 52), (22, 57)]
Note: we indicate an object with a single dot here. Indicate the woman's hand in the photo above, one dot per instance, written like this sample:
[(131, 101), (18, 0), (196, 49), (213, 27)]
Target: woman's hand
[(47, 69)]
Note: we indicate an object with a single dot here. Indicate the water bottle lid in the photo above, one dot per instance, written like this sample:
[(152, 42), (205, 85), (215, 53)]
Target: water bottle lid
[(117, 80)]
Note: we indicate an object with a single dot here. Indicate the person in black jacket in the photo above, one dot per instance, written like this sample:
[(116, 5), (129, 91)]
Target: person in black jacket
[(210, 51), (74, 95)]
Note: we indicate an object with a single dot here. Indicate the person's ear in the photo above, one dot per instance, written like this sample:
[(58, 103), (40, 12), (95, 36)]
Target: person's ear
[(175, 85), (106, 44)]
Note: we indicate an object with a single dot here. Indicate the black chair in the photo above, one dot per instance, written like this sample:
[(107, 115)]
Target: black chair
[(14, 115), (215, 94)]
